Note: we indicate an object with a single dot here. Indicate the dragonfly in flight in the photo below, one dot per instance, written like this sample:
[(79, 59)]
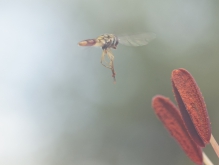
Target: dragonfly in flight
[(110, 41)]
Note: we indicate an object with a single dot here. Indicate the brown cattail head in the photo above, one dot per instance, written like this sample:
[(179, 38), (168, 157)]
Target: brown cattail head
[(192, 106), (171, 118)]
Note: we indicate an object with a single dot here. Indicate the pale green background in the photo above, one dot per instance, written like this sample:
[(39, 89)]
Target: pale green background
[(59, 105)]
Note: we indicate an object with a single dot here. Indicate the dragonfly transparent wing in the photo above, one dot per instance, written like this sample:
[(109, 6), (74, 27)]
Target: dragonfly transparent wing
[(137, 40)]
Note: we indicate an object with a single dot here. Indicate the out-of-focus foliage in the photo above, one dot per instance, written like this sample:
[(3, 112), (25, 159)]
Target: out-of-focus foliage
[(59, 104)]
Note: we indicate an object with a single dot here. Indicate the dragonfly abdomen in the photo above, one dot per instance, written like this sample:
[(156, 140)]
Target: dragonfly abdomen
[(88, 42)]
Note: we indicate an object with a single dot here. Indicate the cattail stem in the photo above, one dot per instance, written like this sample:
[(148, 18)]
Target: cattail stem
[(206, 160), (214, 145)]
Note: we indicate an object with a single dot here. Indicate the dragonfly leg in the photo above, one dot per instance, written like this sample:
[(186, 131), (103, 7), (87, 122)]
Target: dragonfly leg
[(113, 73), (111, 58), (102, 61), (111, 64)]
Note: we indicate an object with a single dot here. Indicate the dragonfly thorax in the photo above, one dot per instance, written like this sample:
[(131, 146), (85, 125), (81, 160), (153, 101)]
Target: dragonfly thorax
[(108, 41)]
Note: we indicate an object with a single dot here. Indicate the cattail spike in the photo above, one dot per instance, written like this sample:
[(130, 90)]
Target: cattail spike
[(192, 106), (171, 118)]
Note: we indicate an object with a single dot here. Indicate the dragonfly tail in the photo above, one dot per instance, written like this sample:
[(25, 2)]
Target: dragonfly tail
[(89, 42)]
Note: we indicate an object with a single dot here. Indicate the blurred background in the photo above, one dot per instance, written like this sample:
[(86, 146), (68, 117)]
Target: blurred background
[(59, 105)]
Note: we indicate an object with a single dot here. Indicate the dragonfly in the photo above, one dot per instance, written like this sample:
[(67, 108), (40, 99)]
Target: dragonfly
[(110, 41)]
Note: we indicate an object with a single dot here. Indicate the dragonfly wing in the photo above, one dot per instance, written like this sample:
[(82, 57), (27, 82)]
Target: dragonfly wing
[(137, 40)]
